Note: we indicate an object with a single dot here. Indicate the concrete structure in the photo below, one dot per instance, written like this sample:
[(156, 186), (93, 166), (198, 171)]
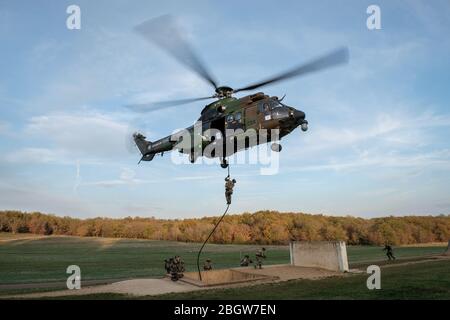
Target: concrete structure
[(242, 275), (329, 255), (222, 277)]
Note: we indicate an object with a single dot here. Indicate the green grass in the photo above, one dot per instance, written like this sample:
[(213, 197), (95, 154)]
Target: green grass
[(358, 254), (45, 259), (427, 280)]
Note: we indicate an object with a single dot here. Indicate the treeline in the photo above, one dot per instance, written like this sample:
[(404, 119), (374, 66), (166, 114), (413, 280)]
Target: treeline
[(263, 227)]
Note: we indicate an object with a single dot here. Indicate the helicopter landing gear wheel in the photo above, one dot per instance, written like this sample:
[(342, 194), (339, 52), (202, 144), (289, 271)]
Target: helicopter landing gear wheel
[(224, 164), (192, 157), (276, 147), (304, 126)]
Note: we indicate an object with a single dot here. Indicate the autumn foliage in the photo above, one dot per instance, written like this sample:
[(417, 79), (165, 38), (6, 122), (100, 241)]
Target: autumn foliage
[(263, 227)]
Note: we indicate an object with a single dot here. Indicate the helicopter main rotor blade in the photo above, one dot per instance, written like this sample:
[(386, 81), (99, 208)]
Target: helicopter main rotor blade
[(163, 32), (331, 59), (153, 106)]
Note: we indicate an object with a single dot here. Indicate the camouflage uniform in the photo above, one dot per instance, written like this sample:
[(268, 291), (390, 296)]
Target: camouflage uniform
[(207, 265), (389, 252), (229, 185), (246, 261), (260, 255), (167, 264), (177, 268)]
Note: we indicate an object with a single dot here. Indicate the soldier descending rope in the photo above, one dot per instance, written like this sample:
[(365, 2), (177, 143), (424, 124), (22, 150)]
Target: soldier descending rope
[(229, 185)]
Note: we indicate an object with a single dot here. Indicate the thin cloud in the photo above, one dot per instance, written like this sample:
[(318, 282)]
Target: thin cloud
[(437, 160)]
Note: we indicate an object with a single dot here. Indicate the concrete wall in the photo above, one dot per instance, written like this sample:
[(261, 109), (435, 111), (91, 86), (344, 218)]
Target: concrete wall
[(329, 255), (221, 277)]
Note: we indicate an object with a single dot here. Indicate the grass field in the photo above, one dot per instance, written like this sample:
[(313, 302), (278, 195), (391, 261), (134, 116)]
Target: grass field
[(428, 280), (46, 259), (28, 259)]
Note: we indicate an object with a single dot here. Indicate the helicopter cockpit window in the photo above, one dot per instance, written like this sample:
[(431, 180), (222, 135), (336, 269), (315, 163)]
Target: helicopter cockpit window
[(238, 117), (275, 104), (264, 107)]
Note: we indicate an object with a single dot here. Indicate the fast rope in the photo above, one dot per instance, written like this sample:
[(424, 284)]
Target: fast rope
[(212, 232), (204, 243)]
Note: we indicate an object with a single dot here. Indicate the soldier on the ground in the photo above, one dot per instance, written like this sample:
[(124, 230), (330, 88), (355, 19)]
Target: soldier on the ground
[(260, 255), (246, 261), (167, 264), (389, 252), (207, 266), (177, 268)]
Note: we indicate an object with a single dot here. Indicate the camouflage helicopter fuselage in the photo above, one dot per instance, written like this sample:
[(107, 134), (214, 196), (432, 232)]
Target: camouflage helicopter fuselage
[(232, 119), (236, 120)]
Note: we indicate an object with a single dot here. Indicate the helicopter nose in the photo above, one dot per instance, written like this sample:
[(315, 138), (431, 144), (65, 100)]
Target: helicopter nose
[(299, 115)]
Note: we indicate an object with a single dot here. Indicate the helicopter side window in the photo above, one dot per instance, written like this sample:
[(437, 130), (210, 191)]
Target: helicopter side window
[(264, 107), (238, 117), (260, 108), (230, 118)]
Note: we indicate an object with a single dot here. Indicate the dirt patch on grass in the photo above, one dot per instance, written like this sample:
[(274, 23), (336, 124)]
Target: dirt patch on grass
[(137, 287)]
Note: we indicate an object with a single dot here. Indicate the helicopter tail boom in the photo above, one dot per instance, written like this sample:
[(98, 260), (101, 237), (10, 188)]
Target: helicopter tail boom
[(144, 146)]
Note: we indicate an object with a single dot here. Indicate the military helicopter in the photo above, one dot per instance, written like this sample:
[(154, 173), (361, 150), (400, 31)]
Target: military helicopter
[(258, 112)]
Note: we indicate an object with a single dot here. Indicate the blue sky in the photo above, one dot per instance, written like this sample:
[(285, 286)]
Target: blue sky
[(378, 142)]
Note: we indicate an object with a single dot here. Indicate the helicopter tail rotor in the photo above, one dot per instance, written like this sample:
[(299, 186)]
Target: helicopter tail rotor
[(144, 146)]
